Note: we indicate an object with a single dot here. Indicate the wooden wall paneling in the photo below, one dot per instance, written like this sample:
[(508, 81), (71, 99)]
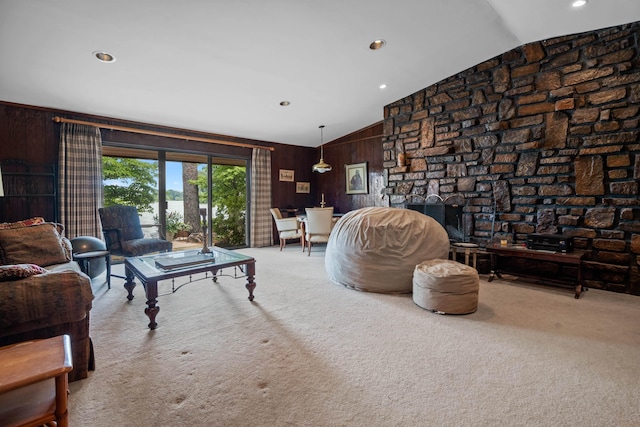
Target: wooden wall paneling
[(25, 137), (300, 160), (23, 134), (283, 194), (30, 190), (361, 146), (28, 133)]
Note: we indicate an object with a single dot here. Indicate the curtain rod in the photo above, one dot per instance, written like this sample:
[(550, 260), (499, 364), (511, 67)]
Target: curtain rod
[(59, 119)]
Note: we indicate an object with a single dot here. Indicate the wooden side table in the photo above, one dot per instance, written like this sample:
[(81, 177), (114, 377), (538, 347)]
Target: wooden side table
[(83, 259), (34, 382), (466, 248), (574, 258)]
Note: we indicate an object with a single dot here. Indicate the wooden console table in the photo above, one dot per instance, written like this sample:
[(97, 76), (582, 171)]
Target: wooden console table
[(515, 251)]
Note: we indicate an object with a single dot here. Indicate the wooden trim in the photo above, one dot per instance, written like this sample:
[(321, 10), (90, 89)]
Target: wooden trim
[(354, 140), (59, 119), (347, 139)]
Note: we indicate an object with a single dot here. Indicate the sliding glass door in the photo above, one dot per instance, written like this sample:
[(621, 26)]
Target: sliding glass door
[(204, 198)]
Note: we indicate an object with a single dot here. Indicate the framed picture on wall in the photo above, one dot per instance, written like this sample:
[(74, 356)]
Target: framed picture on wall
[(357, 178), (286, 175), (303, 187)]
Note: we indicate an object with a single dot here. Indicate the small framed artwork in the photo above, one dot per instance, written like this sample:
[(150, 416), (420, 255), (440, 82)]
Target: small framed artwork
[(357, 178), (286, 175), (303, 187)]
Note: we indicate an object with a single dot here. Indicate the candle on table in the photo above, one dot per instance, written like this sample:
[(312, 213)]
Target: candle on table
[(322, 197)]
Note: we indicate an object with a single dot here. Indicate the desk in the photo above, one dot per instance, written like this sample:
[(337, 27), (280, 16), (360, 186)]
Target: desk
[(34, 382), (514, 251)]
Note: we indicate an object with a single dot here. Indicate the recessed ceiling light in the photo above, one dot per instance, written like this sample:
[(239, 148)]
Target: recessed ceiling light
[(285, 103), (383, 86), (104, 56), (377, 44), (579, 3)]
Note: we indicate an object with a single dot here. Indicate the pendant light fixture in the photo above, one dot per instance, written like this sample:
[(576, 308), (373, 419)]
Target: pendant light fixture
[(321, 166)]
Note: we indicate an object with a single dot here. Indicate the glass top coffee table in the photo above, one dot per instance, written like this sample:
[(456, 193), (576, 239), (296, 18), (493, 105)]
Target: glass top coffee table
[(152, 268)]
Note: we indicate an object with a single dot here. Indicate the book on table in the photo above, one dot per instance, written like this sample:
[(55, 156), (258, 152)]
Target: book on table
[(171, 263)]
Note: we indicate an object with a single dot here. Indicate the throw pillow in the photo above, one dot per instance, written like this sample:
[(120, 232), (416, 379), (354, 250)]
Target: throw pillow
[(24, 223), (39, 244), (19, 271)]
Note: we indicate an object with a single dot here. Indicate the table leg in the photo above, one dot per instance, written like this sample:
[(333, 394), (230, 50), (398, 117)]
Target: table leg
[(251, 285), (61, 411), (579, 285), (108, 262), (494, 268), (129, 283), (152, 299)]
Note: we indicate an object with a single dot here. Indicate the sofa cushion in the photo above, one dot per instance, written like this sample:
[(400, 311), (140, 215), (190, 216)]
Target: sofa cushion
[(44, 300), (65, 266), (24, 223), (39, 244), (19, 271)]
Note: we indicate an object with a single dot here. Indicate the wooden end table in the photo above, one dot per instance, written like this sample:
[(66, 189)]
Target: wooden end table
[(516, 251), (34, 382)]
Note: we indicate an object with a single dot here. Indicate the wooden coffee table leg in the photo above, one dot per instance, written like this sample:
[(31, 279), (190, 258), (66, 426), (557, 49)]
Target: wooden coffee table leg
[(251, 285), (129, 284), (152, 309)]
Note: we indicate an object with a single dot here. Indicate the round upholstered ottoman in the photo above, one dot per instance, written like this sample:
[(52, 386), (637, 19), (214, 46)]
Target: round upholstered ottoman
[(376, 249), (446, 287)]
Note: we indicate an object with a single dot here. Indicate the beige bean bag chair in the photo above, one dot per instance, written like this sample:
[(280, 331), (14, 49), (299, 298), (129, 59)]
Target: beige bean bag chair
[(376, 249), (446, 287)]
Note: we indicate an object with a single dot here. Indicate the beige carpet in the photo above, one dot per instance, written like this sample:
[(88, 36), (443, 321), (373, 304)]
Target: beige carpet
[(308, 352)]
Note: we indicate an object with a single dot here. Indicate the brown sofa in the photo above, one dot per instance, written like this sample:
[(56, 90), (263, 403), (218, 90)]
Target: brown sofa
[(43, 293)]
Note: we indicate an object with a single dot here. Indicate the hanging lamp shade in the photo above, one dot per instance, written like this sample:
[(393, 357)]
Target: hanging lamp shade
[(321, 166)]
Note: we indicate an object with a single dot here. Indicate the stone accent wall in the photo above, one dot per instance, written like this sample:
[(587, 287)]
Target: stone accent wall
[(548, 133)]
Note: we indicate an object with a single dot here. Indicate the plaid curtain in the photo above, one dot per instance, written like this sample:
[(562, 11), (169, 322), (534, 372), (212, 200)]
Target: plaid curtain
[(80, 180), (261, 226)]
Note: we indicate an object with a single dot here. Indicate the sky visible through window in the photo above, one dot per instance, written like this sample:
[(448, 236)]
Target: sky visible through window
[(174, 176)]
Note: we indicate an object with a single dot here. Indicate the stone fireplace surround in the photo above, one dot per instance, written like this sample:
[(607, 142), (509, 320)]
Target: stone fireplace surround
[(545, 134)]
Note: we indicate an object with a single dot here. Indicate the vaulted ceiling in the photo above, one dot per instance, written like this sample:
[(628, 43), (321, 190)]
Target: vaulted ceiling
[(225, 66)]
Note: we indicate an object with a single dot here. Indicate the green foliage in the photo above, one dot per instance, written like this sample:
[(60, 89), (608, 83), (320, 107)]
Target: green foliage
[(136, 183), (174, 222), (228, 195), (174, 195)]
